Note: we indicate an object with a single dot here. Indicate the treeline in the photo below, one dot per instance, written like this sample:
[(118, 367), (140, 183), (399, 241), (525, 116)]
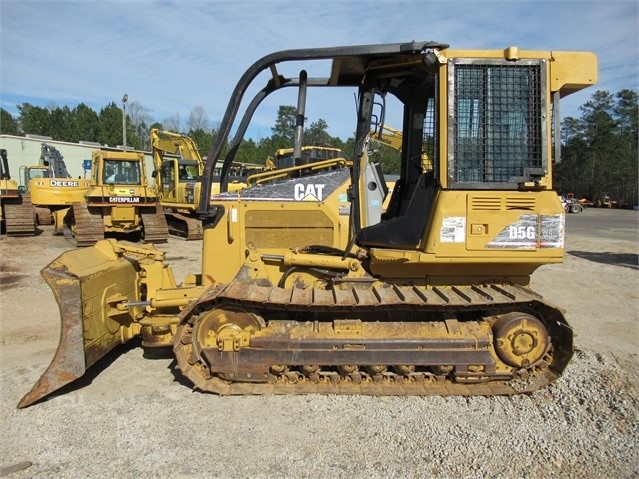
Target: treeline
[(83, 124), (600, 156), (106, 127), (599, 151)]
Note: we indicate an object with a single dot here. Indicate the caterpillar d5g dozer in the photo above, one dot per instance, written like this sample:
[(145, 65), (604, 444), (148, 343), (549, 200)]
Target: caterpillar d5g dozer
[(308, 289)]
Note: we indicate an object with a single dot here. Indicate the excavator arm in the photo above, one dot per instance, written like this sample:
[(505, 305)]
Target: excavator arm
[(166, 142), (53, 159)]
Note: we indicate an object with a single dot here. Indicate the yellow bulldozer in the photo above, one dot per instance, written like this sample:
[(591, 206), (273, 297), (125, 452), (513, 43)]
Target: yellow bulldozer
[(17, 215), (432, 298), (286, 157), (119, 202)]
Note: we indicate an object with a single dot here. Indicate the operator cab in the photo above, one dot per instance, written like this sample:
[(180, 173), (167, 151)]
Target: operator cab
[(495, 141), (402, 224), (120, 172)]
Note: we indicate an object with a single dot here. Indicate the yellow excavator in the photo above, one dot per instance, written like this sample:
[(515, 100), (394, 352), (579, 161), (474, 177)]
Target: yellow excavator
[(17, 215), (388, 136), (178, 174), (432, 298), (52, 189)]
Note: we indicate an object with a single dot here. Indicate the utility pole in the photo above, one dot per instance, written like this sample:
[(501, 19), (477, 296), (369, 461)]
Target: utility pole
[(124, 99)]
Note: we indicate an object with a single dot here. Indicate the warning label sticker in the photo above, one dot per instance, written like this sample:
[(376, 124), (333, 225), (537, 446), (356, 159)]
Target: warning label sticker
[(453, 229)]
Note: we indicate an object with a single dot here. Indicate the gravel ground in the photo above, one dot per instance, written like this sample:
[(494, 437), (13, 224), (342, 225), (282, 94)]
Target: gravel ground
[(134, 417)]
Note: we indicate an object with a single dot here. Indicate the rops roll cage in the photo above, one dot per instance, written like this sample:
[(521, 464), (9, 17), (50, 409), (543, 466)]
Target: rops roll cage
[(348, 69)]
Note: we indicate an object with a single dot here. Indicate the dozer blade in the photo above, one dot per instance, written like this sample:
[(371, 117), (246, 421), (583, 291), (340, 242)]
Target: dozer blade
[(88, 285)]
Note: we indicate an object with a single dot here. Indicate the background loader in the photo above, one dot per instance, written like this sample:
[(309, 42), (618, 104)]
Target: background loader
[(432, 298)]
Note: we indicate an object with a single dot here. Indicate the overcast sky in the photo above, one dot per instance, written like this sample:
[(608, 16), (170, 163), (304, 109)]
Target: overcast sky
[(173, 56)]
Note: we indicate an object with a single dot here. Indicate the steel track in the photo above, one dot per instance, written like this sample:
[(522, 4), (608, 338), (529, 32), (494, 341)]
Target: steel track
[(19, 216), (87, 226), (154, 225), (184, 226), (448, 301)]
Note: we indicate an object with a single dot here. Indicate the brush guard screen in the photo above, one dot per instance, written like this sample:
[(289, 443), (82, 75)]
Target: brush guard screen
[(497, 125)]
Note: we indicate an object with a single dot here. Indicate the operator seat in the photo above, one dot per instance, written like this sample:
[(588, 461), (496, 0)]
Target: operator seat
[(404, 231)]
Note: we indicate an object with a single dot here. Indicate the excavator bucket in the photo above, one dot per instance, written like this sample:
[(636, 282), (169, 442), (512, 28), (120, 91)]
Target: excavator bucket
[(90, 285)]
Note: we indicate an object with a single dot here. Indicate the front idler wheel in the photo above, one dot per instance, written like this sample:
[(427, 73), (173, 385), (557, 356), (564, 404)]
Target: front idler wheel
[(226, 329), (521, 340)]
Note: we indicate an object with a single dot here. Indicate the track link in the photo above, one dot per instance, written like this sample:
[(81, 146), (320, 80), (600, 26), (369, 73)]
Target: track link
[(43, 215), (19, 216), (251, 364), (184, 226), (155, 228)]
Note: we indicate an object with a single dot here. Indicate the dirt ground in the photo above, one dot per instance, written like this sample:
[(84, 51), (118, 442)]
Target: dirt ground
[(119, 412)]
